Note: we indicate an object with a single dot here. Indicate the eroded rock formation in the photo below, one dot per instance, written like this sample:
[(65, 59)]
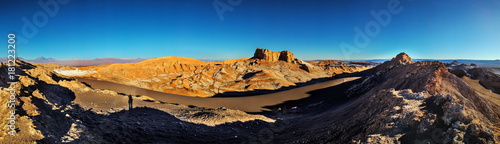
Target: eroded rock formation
[(268, 70), (268, 55), (439, 101)]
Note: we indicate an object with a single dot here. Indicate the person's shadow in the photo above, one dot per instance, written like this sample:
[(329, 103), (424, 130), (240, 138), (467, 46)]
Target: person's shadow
[(130, 102)]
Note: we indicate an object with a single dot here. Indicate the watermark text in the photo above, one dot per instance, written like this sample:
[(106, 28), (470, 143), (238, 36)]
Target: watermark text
[(11, 71)]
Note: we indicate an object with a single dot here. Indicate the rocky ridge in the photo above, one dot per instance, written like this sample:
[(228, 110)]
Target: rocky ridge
[(421, 98)]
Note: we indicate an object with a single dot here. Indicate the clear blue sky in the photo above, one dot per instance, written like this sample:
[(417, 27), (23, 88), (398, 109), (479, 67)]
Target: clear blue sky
[(433, 29)]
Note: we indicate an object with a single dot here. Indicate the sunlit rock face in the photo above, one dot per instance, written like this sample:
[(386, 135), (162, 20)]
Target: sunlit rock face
[(267, 70), (268, 55)]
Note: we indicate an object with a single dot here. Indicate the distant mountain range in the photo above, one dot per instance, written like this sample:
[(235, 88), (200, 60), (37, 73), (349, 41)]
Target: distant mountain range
[(98, 61), (78, 62), (481, 63)]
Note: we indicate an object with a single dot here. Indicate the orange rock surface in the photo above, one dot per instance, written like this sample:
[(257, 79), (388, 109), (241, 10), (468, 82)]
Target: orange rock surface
[(187, 76)]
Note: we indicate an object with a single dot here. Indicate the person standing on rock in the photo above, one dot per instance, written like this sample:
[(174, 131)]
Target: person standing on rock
[(130, 101)]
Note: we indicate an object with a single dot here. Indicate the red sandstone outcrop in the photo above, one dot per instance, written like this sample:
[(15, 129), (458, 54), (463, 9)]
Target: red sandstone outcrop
[(268, 55), (287, 56)]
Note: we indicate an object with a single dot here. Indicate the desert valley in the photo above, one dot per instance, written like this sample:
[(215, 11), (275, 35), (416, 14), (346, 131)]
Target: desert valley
[(270, 97)]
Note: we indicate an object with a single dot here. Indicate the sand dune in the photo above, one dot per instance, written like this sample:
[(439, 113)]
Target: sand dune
[(248, 104)]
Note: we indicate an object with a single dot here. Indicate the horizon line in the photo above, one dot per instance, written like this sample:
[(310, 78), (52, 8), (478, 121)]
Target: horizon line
[(210, 59)]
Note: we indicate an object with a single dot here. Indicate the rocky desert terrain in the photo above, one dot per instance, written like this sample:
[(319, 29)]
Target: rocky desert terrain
[(269, 98), (266, 70)]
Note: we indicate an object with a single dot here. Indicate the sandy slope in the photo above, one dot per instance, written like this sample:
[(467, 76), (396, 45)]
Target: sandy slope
[(485, 93), (488, 94), (248, 104), (107, 102)]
